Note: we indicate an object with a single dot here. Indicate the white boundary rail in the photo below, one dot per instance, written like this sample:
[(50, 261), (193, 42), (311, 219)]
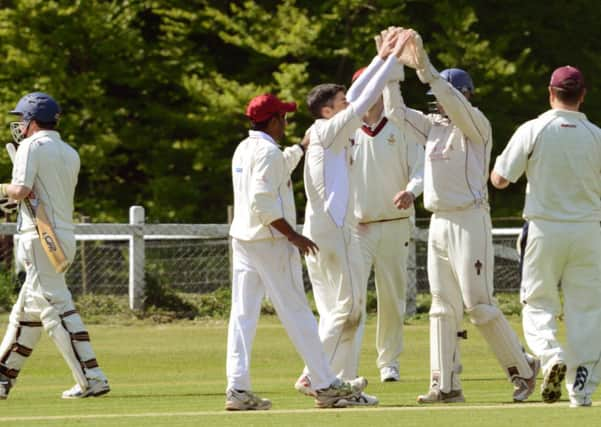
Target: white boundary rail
[(137, 232)]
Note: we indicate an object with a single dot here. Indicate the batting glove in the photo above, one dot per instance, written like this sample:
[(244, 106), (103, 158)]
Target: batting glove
[(7, 205)]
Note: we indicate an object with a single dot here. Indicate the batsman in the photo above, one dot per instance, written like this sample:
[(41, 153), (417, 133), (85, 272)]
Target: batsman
[(45, 175)]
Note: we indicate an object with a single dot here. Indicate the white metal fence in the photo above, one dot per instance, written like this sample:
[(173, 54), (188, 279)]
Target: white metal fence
[(114, 258)]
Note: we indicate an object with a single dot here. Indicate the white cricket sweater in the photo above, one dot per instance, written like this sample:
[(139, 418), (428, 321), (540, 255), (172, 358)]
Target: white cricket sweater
[(386, 160)]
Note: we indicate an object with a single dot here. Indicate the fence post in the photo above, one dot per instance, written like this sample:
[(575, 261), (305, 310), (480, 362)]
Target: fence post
[(84, 261), (136, 258), (230, 218)]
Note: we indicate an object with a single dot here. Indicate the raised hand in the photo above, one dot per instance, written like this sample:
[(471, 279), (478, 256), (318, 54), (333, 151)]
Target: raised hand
[(387, 41), (405, 48)]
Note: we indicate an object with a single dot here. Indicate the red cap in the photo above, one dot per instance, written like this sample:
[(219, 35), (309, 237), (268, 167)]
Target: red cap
[(567, 78), (262, 107), (358, 73)]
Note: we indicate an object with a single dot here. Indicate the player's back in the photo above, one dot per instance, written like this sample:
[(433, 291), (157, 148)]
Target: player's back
[(54, 166), (564, 168)]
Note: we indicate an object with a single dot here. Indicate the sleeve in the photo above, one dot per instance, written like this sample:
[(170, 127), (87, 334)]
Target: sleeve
[(336, 132), (415, 158), (461, 112), (26, 166), (512, 162), (292, 156), (407, 119), (264, 195), (373, 89), (359, 85)]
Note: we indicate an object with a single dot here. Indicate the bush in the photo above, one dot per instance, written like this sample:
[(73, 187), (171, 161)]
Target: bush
[(162, 301), (8, 293)]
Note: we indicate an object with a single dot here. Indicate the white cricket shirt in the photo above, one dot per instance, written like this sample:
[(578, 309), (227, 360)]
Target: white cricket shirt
[(458, 148), (262, 187), (560, 152), (326, 174), (49, 166), (386, 160)]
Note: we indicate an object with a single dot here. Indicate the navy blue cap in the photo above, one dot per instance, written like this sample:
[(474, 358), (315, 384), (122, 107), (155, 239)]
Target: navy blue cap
[(459, 78), (37, 106)]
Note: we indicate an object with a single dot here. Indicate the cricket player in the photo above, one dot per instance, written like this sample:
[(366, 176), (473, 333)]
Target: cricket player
[(460, 252), (335, 273), (45, 168), (266, 260), (387, 173), (560, 153)]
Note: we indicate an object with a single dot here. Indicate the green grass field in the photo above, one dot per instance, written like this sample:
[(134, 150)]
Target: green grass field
[(174, 375)]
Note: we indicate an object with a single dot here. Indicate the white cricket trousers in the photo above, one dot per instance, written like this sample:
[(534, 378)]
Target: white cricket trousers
[(336, 275), (45, 300), (272, 268), (568, 254), (385, 247)]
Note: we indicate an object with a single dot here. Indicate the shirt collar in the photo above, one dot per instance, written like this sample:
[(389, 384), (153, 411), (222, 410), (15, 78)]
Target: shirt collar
[(560, 112), (377, 122), (262, 135)]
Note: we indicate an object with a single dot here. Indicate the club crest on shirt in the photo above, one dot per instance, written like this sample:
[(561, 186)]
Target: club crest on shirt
[(438, 153), (391, 139)]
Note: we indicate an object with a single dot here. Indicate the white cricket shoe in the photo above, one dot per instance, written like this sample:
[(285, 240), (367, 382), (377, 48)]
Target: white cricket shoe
[(328, 397), (524, 387), (245, 400), (5, 386), (389, 374), (580, 401), (551, 386), (358, 384), (361, 399), (96, 387), (303, 385)]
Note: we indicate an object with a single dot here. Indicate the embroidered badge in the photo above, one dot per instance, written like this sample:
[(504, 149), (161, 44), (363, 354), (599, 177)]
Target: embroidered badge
[(391, 139), (478, 265)]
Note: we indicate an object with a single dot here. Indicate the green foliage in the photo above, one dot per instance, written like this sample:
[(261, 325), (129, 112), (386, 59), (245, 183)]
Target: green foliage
[(154, 92), (163, 303), (7, 290), (167, 305)]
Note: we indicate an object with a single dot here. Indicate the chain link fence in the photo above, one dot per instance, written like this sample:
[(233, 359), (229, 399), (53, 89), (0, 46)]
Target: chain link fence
[(195, 258)]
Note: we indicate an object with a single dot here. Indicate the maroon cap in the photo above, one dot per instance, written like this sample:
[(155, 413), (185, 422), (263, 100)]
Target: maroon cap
[(567, 78), (262, 107), (358, 73)]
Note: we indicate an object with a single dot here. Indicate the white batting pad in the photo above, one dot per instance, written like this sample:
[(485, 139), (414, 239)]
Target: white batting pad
[(18, 343), (502, 339), (62, 339), (444, 355)]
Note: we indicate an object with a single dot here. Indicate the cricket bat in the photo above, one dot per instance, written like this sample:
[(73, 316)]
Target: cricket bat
[(46, 233)]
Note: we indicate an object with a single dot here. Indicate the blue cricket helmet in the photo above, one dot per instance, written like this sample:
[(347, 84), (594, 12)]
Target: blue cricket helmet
[(38, 106), (460, 79)]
